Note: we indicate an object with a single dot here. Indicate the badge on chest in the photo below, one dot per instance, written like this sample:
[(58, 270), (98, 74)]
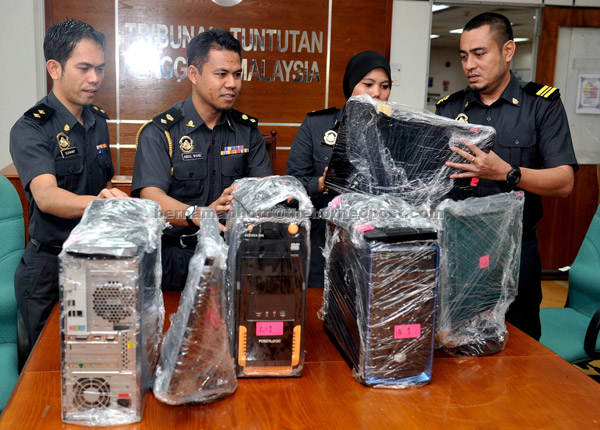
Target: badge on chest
[(64, 144), (186, 145)]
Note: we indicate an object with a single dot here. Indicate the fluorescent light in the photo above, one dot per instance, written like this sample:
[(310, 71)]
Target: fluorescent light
[(438, 7), (521, 39), (456, 31), (434, 36)]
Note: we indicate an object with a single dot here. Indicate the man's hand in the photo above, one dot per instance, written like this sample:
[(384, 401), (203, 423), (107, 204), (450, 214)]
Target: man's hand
[(321, 182), (481, 165), (223, 203), (111, 193)]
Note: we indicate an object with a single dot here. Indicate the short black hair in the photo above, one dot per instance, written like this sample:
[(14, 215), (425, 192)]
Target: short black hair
[(215, 38), (62, 38), (500, 26)]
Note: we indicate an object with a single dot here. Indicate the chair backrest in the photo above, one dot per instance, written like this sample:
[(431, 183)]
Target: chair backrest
[(11, 249), (584, 276)]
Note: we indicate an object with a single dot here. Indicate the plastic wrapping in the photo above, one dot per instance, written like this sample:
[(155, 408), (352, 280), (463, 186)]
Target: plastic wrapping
[(381, 273), (195, 365), (269, 248), (112, 311), (387, 148), (481, 248)]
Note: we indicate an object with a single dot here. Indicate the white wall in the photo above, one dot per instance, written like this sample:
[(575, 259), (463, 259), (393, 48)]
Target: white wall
[(22, 85), (411, 26)]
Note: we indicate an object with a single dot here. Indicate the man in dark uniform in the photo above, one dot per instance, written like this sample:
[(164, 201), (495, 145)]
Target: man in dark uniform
[(533, 150), (190, 155), (60, 148), (367, 72)]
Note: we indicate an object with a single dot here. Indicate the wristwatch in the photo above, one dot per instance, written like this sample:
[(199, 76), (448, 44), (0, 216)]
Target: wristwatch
[(514, 175), (189, 213)]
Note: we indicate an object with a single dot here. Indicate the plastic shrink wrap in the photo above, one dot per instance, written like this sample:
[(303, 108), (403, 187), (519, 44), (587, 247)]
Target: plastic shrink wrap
[(195, 365), (481, 248), (387, 148), (381, 273), (269, 245), (112, 311)]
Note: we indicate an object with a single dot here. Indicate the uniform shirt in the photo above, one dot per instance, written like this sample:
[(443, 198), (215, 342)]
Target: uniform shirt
[(203, 162), (307, 160), (310, 155), (531, 131), (83, 166)]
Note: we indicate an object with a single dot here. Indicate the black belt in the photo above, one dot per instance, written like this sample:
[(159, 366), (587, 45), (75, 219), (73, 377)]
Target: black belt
[(50, 249), (187, 241)]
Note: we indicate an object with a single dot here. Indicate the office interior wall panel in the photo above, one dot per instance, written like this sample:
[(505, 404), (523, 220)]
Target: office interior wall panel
[(565, 222), (564, 225), (357, 25), (285, 54), (100, 14)]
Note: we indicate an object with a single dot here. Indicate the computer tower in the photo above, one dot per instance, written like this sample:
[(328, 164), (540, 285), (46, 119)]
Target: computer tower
[(111, 313), (481, 247), (387, 148), (380, 303), (271, 273)]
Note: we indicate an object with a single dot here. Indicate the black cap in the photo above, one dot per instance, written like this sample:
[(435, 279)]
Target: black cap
[(361, 64)]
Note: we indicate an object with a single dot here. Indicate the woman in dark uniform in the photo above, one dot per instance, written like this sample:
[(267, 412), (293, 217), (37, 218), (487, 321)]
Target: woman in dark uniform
[(367, 72)]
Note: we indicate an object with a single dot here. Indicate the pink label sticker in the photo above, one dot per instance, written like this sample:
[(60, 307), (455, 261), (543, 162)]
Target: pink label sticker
[(269, 328), (335, 202), (474, 130), (363, 228), (474, 182), (407, 331), (484, 261)]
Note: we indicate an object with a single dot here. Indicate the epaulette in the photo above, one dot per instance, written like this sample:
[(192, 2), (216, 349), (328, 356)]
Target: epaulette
[(322, 111), (243, 118), (535, 89), (168, 118), (450, 97), (99, 111), (41, 113)]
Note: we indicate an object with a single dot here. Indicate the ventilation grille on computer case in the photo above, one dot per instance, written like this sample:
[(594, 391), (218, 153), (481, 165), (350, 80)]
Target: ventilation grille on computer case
[(113, 302), (91, 393)]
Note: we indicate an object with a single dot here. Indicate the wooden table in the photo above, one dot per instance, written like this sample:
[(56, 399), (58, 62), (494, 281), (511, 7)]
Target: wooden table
[(526, 386)]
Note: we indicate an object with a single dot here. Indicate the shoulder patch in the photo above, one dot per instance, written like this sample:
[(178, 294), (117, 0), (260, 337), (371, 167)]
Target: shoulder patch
[(243, 118), (99, 111), (40, 112), (323, 111), (535, 89), (450, 97), (169, 118)]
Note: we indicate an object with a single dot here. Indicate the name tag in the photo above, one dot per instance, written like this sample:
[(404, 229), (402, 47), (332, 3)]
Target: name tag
[(230, 150), (191, 157), (68, 152)]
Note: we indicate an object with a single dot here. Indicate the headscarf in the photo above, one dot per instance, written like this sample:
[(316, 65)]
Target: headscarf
[(361, 64)]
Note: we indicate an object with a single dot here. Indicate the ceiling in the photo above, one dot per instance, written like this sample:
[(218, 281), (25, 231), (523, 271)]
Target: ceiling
[(455, 17)]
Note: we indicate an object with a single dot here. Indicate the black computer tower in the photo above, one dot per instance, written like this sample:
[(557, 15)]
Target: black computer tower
[(271, 271), (380, 303)]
